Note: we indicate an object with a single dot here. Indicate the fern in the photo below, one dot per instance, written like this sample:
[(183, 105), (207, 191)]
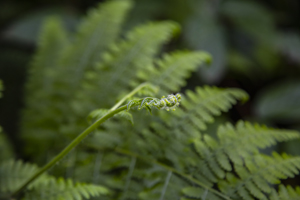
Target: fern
[(260, 172), (285, 193), (93, 38), (65, 189), (216, 157), (52, 42), (170, 72), (166, 155), (168, 136), (123, 60), (14, 173)]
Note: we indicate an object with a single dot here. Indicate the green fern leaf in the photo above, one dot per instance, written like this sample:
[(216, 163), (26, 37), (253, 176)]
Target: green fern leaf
[(14, 173), (246, 137), (64, 189), (123, 60), (95, 34), (51, 44), (285, 193), (100, 28), (199, 108), (173, 69), (259, 173)]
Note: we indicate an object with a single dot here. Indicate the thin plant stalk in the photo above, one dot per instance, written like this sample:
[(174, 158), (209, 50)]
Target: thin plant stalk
[(73, 144), (114, 110)]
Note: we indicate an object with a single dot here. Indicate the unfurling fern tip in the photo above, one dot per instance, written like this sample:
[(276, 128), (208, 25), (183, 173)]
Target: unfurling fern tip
[(170, 102)]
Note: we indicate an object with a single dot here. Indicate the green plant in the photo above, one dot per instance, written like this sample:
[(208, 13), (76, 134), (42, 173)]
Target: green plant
[(166, 155)]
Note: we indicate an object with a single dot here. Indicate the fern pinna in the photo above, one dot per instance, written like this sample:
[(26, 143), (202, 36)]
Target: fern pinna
[(166, 155)]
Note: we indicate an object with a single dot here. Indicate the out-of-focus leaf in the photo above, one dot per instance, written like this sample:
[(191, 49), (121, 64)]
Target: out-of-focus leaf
[(267, 57), (6, 151), (279, 102), (203, 32), (143, 11), (27, 28), (257, 24), (292, 147), (289, 45), (252, 18), (1, 88), (239, 63)]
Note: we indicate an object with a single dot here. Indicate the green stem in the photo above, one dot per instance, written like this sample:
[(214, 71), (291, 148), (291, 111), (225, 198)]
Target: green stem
[(133, 92), (114, 110), (74, 143)]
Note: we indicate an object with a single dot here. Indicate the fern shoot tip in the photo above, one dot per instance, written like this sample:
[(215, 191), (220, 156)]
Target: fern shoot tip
[(170, 102)]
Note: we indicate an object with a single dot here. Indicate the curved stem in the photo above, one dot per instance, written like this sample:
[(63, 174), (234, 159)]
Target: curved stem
[(74, 143), (133, 92), (114, 110)]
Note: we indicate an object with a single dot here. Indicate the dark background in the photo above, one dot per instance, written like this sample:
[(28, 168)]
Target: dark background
[(255, 46)]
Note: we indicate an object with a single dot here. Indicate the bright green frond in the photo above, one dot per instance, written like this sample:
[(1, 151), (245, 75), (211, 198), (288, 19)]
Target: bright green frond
[(99, 30), (50, 106), (285, 193), (51, 44), (247, 138), (121, 63), (172, 70), (201, 106), (56, 189), (14, 173), (259, 172)]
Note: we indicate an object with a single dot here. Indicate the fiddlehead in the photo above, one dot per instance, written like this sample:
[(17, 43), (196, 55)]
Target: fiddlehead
[(167, 103)]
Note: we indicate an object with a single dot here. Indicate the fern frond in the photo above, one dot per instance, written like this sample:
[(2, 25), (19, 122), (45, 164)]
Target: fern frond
[(189, 119), (64, 189), (99, 30), (51, 44), (124, 59), (41, 76), (14, 173), (248, 139), (259, 172), (172, 70), (285, 193), (95, 34), (201, 106)]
